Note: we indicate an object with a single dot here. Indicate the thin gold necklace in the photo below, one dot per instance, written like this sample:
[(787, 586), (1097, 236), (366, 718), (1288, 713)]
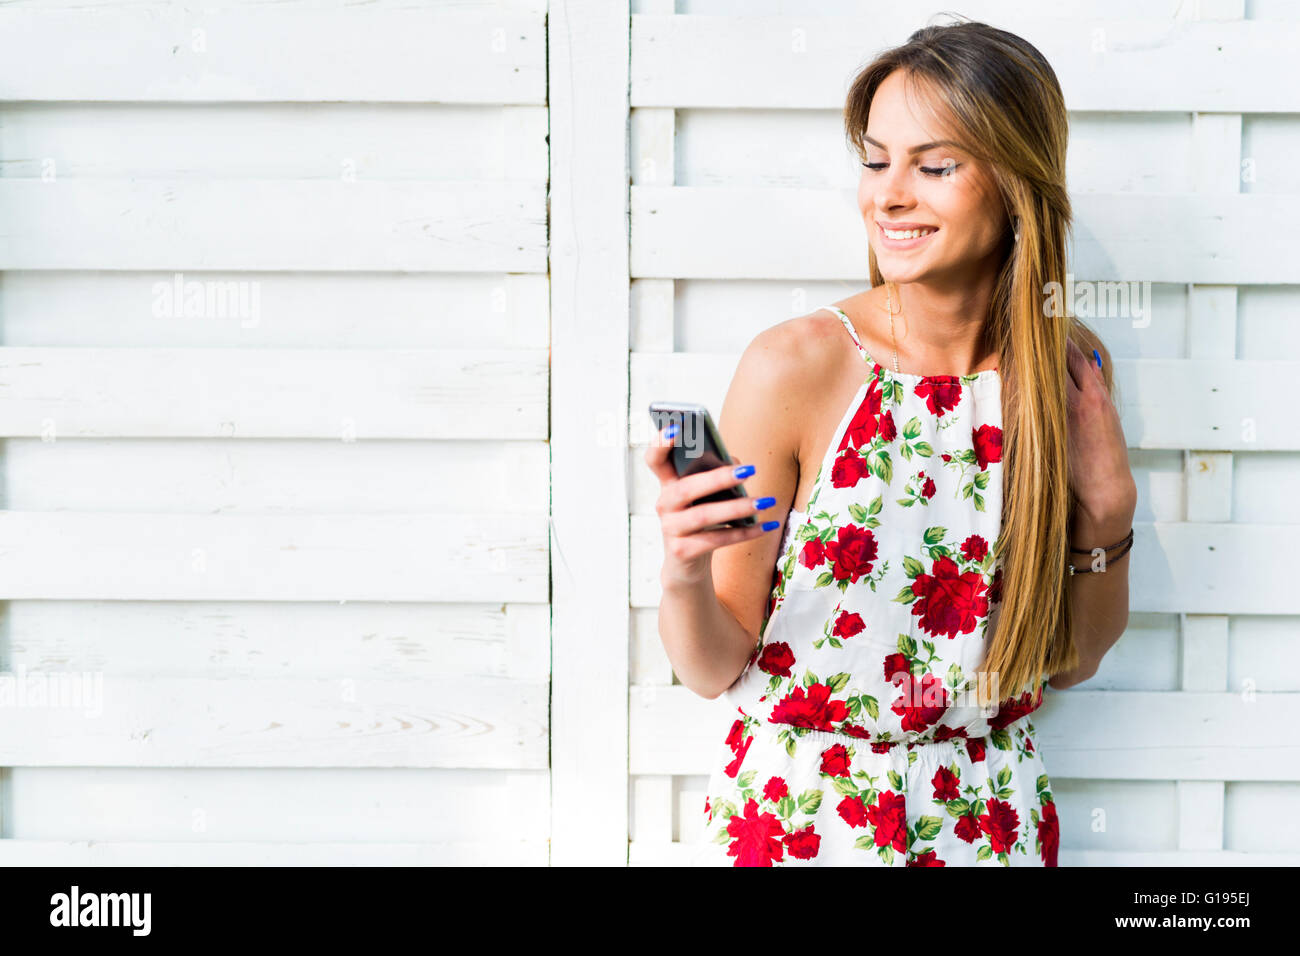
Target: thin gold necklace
[(889, 304)]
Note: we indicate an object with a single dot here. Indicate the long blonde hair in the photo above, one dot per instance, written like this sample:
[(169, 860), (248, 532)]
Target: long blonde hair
[(1003, 103)]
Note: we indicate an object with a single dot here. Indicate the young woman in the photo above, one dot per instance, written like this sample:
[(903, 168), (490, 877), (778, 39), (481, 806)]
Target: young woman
[(884, 654)]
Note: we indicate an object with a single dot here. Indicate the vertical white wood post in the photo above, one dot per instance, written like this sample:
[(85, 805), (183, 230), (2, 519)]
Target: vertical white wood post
[(588, 82)]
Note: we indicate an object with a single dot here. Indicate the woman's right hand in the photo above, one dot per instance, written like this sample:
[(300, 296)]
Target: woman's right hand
[(687, 548)]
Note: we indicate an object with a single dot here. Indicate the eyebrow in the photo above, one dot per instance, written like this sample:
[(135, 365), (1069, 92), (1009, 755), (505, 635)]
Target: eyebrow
[(916, 149)]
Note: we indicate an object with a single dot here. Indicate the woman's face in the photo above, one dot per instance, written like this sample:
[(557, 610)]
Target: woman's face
[(941, 187)]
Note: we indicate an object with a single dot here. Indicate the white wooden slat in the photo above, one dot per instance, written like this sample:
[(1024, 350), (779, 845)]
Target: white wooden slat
[(273, 224), (1163, 403), (273, 393), (96, 853), (289, 722), (587, 92), (224, 805), (339, 141), (339, 310), (261, 639), (652, 798), (1200, 814), (270, 475), (1205, 648), (298, 557), (161, 51), (1112, 65), (1102, 735), (688, 232), (1187, 568), (678, 854)]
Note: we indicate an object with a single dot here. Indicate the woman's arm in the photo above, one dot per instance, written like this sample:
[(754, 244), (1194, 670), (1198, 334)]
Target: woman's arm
[(1100, 598), (1105, 500)]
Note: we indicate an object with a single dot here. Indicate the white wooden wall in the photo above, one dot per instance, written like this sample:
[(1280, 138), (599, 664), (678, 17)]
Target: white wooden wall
[(1181, 749), (304, 546), (352, 568)]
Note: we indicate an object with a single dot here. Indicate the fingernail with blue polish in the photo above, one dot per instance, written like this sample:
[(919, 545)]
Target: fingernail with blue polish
[(769, 525), (1097, 357), (744, 471), (670, 431), (762, 503)]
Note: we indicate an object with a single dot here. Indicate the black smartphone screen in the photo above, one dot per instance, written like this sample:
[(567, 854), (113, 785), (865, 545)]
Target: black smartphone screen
[(698, 447)]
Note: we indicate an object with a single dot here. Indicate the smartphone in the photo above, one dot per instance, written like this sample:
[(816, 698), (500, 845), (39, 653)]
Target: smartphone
[(698, 447)]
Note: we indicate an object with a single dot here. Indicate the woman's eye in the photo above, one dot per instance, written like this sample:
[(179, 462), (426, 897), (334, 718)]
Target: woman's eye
[(928, 170)]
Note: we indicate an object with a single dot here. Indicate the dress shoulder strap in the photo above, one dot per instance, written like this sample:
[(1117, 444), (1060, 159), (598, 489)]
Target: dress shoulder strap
[(848, 325)]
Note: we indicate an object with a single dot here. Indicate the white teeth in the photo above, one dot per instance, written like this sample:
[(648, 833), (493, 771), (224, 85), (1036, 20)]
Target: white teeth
[(907, 233)]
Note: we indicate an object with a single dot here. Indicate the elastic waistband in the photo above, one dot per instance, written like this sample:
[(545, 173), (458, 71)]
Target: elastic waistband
[(1019, 729)]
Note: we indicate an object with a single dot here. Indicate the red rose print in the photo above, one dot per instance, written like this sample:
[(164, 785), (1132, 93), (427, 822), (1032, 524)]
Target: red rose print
[(896, 664), (921, 703), (854, 730), (736, 734), (706, 808), (848, 469), (864, 425), (756, 837), (1049, 835), (941, 392), (927, 489), (1000, 823), (810, 707), (733, 768), (889, 816), (853, 812), (776, 789), (945, 784), (968, 828), (776, 659), (835, 761), (947, 733), (1012, 710), (888, 431), (813, 554), (975, 749), (987, 441), (881, 746), (848, 624), (928, 858), (803, 844), (995, 589), (852, 552), (950, 602), (974, 548)]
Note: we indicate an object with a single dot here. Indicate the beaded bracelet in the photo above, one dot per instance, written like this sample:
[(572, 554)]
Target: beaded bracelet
[(1127, 541)]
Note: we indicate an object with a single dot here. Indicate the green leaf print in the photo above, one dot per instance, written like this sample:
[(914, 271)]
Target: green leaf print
[(785, 807), (985, 853), (958, 807), (935, 535), (844, 786), (871, 706), (881, 465), (876, 505), (825, 578), (907, 645), (913, 567), (982, 480), (927, 828), (1042, 783), (865, 842), (913, 427), (746, 779), (809, 678), (1004, 776), (887, 854), (810, 801), (905, 595), (837, 682), (896, 781), (979, 502), (923, 449), (858, 513)]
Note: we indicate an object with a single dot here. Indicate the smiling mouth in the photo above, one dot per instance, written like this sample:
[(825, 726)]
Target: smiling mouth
[(903, 235)]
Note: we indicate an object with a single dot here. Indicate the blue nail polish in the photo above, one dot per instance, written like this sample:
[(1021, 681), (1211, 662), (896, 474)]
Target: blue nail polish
[(744, 471), (1097, 357), (670, 431), (762, 503), (769, 525)]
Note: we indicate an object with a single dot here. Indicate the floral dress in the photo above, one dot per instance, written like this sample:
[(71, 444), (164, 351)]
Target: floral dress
[(859, 740)]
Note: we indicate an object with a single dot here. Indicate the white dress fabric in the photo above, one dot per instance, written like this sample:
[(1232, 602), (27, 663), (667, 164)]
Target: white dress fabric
[(858, 739)]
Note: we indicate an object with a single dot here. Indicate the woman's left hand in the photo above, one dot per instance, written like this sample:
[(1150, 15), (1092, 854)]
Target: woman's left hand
[(1100, 476)]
